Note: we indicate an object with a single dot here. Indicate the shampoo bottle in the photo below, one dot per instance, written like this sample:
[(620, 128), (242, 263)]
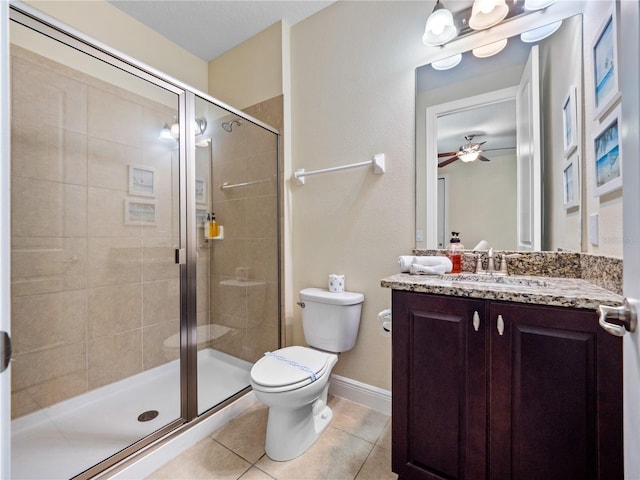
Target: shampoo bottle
[(454, 252), (214, 231)]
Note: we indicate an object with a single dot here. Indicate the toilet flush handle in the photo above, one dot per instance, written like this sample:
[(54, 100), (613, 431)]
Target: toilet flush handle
[(301, 304)]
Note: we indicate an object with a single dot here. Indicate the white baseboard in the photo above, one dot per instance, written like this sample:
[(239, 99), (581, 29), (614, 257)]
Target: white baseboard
[(362, 393)]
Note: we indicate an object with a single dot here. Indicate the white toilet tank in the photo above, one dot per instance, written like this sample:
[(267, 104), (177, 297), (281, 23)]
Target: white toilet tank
[(330, 320)]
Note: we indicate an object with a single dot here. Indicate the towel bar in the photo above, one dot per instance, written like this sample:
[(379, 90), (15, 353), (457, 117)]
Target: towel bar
[(377, 162)]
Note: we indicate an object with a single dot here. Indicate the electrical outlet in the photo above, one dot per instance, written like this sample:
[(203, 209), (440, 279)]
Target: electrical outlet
[(419, 235), (593, 229)]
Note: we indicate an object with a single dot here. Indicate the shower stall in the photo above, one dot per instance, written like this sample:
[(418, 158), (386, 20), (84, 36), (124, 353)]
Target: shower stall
[(131, 317)]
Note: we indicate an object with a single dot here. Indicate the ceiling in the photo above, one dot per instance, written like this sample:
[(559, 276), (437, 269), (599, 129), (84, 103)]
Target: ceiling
[(208, 28)]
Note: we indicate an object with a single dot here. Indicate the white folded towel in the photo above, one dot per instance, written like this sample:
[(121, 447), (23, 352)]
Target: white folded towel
[(406, 261), (416, 269)]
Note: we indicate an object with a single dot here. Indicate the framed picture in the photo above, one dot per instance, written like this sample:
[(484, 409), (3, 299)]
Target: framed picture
[(608, 154), (605, 64), (142, 180), (201, 191), (569, 122), (139, 212), (571, 182)]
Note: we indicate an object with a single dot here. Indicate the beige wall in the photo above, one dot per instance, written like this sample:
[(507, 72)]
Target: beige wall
[(105, 23), (251, 72), (352, 70)]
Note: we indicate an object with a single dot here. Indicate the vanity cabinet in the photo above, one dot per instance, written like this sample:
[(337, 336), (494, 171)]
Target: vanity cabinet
[(500, 390)]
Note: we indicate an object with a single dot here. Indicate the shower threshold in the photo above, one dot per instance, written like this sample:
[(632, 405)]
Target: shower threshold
[(63, 440)]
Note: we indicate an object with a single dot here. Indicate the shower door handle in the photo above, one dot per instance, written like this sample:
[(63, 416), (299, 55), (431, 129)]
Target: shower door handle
[(181, 256), (5, 350)]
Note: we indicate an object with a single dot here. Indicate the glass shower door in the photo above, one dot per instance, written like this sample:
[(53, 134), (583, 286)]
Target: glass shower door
[(238, 258), (96, 291)]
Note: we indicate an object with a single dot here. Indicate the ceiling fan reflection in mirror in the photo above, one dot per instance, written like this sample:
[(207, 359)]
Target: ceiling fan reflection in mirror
[(468, 152)]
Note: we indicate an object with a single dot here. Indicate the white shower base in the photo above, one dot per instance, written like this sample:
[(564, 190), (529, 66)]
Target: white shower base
[(63, 440)]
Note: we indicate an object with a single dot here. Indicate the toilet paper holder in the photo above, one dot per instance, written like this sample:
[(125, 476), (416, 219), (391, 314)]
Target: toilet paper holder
[(385, 322)]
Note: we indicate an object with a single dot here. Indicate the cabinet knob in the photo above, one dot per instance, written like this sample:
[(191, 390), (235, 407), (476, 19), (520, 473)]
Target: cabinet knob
[(500, 325), (476, 321)]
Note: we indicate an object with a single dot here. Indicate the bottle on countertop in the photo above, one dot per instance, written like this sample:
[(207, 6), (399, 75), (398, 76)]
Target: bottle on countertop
[(454, 252)]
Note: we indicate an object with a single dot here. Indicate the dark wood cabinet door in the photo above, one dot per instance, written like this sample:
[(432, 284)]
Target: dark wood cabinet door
[(555, 403), (439, 387)]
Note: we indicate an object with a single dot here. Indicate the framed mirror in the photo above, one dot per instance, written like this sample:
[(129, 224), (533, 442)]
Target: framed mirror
[(512, 194)]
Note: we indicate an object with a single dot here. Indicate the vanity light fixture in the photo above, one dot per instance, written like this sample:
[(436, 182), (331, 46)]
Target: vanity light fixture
[(539, 33), (537, 4), (487, 13), (447, 63), (490, 49), (439, 28)]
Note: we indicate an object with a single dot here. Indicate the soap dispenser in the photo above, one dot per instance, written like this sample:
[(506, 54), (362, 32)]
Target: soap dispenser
[(454, 252)]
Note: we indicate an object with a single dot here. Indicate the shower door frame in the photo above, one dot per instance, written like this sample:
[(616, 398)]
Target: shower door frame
[(186, 252)]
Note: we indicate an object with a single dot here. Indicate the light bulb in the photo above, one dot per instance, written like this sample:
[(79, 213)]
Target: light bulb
[(486, 6), (437, 28), (175, 130)]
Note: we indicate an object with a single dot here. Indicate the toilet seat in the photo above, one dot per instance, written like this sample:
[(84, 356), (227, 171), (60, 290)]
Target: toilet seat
[(289, 368)]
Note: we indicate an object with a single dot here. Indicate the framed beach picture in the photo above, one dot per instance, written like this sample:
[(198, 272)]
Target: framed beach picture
[(605, 63), (201, 191), (608, 154), (571, 182), (569, 122), (142, 180), (139, 212)]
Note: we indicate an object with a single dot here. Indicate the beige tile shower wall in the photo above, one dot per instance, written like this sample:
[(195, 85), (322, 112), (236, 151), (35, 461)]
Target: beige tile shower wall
[(93, 298), (248, 305)]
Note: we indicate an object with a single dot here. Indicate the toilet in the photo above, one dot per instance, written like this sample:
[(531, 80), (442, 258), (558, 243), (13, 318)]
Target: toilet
[(293, 381)]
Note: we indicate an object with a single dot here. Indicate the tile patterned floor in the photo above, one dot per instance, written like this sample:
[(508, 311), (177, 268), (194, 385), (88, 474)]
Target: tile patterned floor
[(356, 446)]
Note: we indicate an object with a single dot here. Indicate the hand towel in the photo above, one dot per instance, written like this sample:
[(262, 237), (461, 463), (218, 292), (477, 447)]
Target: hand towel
[(416, 269), (406, 261)]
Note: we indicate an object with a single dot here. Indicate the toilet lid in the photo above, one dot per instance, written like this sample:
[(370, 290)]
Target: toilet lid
[(288, 366)]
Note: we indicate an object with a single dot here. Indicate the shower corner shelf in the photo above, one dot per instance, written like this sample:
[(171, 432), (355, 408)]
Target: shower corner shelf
[(377, 162)]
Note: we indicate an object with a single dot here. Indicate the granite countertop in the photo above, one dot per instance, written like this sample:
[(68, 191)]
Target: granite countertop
[(553, 291)]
